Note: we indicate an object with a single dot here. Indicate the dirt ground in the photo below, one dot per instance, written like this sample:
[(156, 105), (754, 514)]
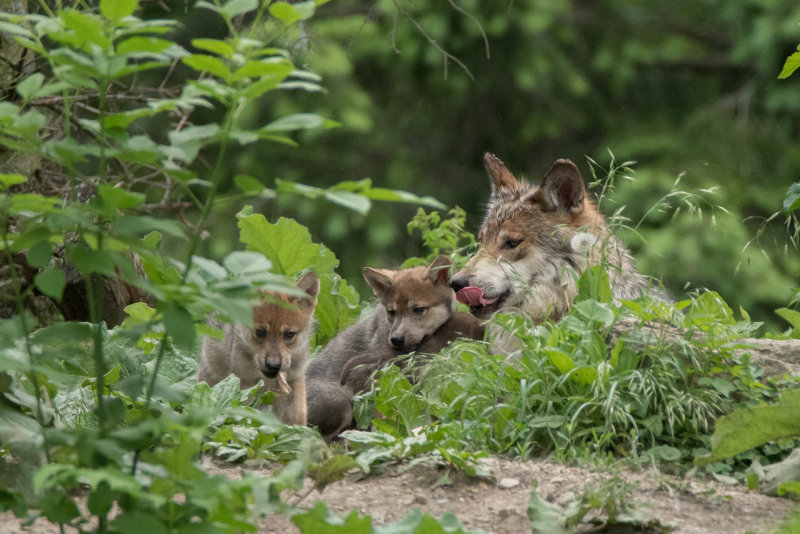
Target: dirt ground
[(499, 506)]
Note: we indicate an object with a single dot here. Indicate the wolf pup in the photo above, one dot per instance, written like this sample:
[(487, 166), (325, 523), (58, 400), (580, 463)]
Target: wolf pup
[(274, 351), (415, 313), (534, 242)]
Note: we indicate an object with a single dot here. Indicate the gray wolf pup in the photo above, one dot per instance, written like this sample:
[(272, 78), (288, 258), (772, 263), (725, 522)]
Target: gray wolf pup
[(534, 242), (415, 313), (274, 351)]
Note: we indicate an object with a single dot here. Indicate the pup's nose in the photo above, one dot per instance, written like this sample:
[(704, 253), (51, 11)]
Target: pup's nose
[(272, 369), (459, 282), (397, 341)]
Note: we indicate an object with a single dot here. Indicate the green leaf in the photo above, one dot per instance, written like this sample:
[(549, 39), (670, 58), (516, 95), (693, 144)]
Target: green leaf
[(793, 316), (136, 522), (143, 45), (298, 121), (320, 520), (750, 427), (546, 517), (248, 184), (179, 325), (40, 254), (117, 9), (7, 180), (791, 64), (210, 64), (241, 262), (594, 284), (792, 200), (236, 7), (284, 12), (595, 312), (332, 470), (113, 199), (28, 87), (216, 46), (101, 499), (51, 282)]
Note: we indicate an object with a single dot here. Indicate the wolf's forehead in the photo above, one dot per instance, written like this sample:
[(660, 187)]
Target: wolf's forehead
[(275, 315), (507, 208)]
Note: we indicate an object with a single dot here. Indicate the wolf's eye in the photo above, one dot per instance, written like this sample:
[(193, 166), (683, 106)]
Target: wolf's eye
[(512, 243), (391, 313), (419, 310), (261, 333), (289, 335)]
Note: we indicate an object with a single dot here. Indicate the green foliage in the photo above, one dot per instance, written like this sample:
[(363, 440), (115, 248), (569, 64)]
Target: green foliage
[(609, 498)]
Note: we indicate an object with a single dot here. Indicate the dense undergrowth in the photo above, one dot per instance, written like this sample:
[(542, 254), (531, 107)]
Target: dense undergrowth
[(113, 419)]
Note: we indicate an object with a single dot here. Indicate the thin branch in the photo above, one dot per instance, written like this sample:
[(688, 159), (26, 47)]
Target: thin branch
[(447, 55), (475, 20)]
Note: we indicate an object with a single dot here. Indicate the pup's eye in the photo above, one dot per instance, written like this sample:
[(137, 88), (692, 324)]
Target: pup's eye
[(512, 243), (289, 335), (261, 333), (391, 313), (419, 310)]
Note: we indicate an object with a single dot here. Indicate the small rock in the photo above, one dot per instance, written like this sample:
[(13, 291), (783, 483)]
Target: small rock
[(419, 499), (508, 483)]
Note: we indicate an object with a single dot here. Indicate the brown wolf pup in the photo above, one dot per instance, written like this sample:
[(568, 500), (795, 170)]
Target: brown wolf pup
[(415, 313), (274, 351), (535, 240)]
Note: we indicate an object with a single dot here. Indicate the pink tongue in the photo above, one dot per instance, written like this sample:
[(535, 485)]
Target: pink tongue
[(473, 296)]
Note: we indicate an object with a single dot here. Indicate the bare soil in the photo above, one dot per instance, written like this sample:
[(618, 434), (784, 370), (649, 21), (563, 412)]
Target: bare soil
[(499, 506)]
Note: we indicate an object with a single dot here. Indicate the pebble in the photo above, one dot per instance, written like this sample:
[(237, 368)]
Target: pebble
[(508, 483)]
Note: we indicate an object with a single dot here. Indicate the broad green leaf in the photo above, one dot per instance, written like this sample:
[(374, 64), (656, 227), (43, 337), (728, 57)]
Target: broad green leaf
[(241, 262), (91, 261), (284, 12), (39, 255), (136, 522), (117, 9), (144, 45), (110, 200), (87, 29), (594, 284), (558, 358), (210, 64), (298, 121), (595, 312), (248, 184), (8, 111), (792, 200), (7, 180), (179, 325), (319, 520), (216, 46), (353, 201), (546, 517), (232, 8), (791, 64), (793, 317), (51, 282), (28, 87), (32, 203), (750, 427)]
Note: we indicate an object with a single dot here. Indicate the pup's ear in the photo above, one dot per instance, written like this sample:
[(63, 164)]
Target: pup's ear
[(379, 279), (310, 284), (439, 270), (501, 177), (562, 188)]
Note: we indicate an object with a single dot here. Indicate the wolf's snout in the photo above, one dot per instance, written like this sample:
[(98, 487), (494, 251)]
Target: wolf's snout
[(397, 341), (272, 369), (459, 282)]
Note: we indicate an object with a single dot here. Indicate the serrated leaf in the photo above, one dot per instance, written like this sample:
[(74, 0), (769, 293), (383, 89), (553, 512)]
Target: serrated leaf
[(51, 282)]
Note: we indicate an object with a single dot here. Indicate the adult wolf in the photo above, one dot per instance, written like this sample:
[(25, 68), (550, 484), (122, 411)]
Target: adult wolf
[(534, 242)]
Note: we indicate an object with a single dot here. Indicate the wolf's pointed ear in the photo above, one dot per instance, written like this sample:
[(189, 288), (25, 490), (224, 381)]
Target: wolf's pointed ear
[(379, 279), (310, 284), (501, 177), (439, 270), (562, 188)]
